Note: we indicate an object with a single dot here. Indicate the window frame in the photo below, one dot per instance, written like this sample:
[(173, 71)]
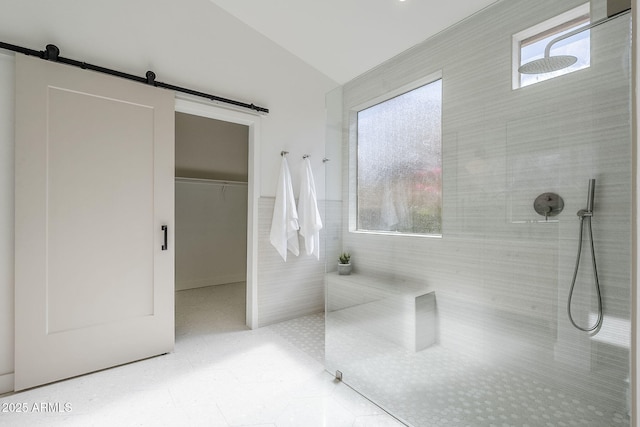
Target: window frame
[(566, 19), (352, 190)]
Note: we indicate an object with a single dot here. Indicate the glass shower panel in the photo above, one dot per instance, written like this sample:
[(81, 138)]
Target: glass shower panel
[(332, 231), (471, 328)]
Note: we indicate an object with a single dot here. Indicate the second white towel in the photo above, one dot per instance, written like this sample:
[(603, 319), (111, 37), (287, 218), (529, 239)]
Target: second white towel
[(284, 225), (308, 214)]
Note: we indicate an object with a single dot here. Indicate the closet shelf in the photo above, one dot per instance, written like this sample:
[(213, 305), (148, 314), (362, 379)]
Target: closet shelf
[(210, 181)]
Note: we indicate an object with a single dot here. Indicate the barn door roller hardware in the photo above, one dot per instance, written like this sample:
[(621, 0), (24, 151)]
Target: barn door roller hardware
[(52, 53)]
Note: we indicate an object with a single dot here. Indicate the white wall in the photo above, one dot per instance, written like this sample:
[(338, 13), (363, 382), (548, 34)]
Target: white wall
[(211, 234), (190, 43), (6, 223)]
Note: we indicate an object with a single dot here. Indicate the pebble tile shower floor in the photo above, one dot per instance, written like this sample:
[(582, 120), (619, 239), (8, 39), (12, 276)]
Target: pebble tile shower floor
[(449, 389), (220, 374)]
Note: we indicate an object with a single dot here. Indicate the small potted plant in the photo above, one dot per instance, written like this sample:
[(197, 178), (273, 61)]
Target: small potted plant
[(344, 265)]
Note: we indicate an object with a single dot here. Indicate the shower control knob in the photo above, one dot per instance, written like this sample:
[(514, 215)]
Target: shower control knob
[(548, 204)]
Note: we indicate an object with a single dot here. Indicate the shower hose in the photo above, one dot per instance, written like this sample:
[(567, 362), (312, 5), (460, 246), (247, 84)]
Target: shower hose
[(585, 216)]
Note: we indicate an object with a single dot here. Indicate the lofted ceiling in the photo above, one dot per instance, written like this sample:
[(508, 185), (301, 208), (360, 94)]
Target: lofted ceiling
[(345, 38)]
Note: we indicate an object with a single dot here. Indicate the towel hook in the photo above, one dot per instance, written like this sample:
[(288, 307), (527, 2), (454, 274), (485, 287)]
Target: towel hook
[(325, 160), (284, 153), (306, 156)]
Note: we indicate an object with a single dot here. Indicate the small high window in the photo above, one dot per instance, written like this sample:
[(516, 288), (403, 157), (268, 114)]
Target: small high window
[(549, 37), (399, 163)]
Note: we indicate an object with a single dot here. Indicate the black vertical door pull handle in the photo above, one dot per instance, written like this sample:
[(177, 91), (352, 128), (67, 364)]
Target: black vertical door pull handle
[(164, 230)]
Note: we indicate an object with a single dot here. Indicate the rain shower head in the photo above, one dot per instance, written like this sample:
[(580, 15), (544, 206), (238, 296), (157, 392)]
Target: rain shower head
[(547, 64), (550, 63)]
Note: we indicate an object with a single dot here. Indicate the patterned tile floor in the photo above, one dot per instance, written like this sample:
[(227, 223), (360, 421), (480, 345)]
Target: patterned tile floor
[(306, 333), (220, 374)]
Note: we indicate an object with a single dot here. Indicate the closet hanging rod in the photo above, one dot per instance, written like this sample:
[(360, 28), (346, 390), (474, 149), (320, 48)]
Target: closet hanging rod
[(52, 53), (210, 181)]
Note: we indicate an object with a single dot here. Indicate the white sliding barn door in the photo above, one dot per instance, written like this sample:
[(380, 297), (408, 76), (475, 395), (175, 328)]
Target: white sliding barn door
[(94, 186)]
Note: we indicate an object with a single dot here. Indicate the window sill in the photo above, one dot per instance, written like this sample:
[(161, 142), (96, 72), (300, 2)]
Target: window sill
[(392, 233)]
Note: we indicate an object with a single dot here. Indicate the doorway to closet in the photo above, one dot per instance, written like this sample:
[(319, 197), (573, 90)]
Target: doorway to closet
[(211, 207)]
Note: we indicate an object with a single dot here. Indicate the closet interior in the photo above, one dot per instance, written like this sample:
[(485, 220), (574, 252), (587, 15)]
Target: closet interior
[(211, 170)]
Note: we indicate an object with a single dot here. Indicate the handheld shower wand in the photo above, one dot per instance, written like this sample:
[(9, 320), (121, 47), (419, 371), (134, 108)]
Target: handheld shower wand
[(590, 194), (586, 214)]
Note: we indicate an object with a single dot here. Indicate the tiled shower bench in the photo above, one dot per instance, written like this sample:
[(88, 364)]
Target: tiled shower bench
[(400, 311)]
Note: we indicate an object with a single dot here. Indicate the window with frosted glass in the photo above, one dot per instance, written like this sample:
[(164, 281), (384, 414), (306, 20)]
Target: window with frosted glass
[(399, 169)]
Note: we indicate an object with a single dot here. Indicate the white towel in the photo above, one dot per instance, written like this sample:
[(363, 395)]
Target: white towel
[(284, 225), (310, 222)]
